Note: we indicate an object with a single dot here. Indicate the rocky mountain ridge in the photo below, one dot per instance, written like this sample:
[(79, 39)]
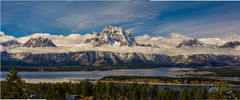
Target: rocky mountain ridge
[(11, 43), (231, 44), (39, 42), (115, 37), (98, 58), (191, 43), (197, 43), (112, 36)]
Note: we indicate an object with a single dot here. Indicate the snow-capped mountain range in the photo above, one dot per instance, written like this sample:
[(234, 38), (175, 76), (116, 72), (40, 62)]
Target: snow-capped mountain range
[(114, 46), (39, 42), (112, 36)]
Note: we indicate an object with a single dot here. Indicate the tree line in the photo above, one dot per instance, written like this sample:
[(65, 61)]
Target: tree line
[(14, 87)]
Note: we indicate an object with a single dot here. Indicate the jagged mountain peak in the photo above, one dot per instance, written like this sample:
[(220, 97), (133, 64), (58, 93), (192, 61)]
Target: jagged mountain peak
[(231, 44), (109, 28), (39, 42), (112, 35), (191, 43), (11, 43)]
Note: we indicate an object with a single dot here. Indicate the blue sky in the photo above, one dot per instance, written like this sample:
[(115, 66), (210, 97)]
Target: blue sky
[(195, 19)]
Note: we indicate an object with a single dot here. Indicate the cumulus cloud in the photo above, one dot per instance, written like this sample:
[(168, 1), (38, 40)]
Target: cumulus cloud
[(125, 49), (5, 38), (221, 40), (58, 40), (75, 43), (2, 33), (171, 42)]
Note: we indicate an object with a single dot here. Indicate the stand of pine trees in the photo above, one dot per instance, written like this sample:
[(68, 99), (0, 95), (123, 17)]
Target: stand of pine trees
[(15, 87)]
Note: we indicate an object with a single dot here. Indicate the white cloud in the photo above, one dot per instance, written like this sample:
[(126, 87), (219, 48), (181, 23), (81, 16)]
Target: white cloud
[(2, 33), (58, 40), (125, 49), (171, 42), (35, 35), (221, 40), (5, 38), (74, 43)]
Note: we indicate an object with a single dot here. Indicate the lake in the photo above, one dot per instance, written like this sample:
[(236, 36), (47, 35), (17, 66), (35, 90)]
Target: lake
[(35, 77), (66, 76)]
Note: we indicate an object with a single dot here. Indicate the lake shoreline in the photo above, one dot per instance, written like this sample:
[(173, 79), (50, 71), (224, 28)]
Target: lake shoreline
[(166, 80), (166, 84), (222, 72)]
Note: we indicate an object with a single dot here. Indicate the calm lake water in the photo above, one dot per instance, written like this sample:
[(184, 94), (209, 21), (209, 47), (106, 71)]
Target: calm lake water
[(79, 75), (99, 74), (36, 77)]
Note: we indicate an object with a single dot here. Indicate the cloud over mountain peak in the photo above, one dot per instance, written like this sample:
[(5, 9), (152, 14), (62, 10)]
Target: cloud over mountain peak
[(113, 38)]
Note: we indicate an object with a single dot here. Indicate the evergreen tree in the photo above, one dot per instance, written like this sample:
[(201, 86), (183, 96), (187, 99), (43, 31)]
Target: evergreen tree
[(204, 93), (107, 93), (184, 94), (198, 95), (154, 93), (192, 93), (222, 91), (236, 94), (86, 88), (123, 92), (98, 90), (14, 87), (143, 95), (134, 92)]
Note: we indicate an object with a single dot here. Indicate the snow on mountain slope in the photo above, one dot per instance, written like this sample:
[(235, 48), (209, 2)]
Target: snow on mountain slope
[(191, 43), (126, 49), (123, 42), (36, 35), (39, 42), (98, 58), (112, 36)]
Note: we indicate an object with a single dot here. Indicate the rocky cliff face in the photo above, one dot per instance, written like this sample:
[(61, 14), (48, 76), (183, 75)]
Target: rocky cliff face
[(39, 42)]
